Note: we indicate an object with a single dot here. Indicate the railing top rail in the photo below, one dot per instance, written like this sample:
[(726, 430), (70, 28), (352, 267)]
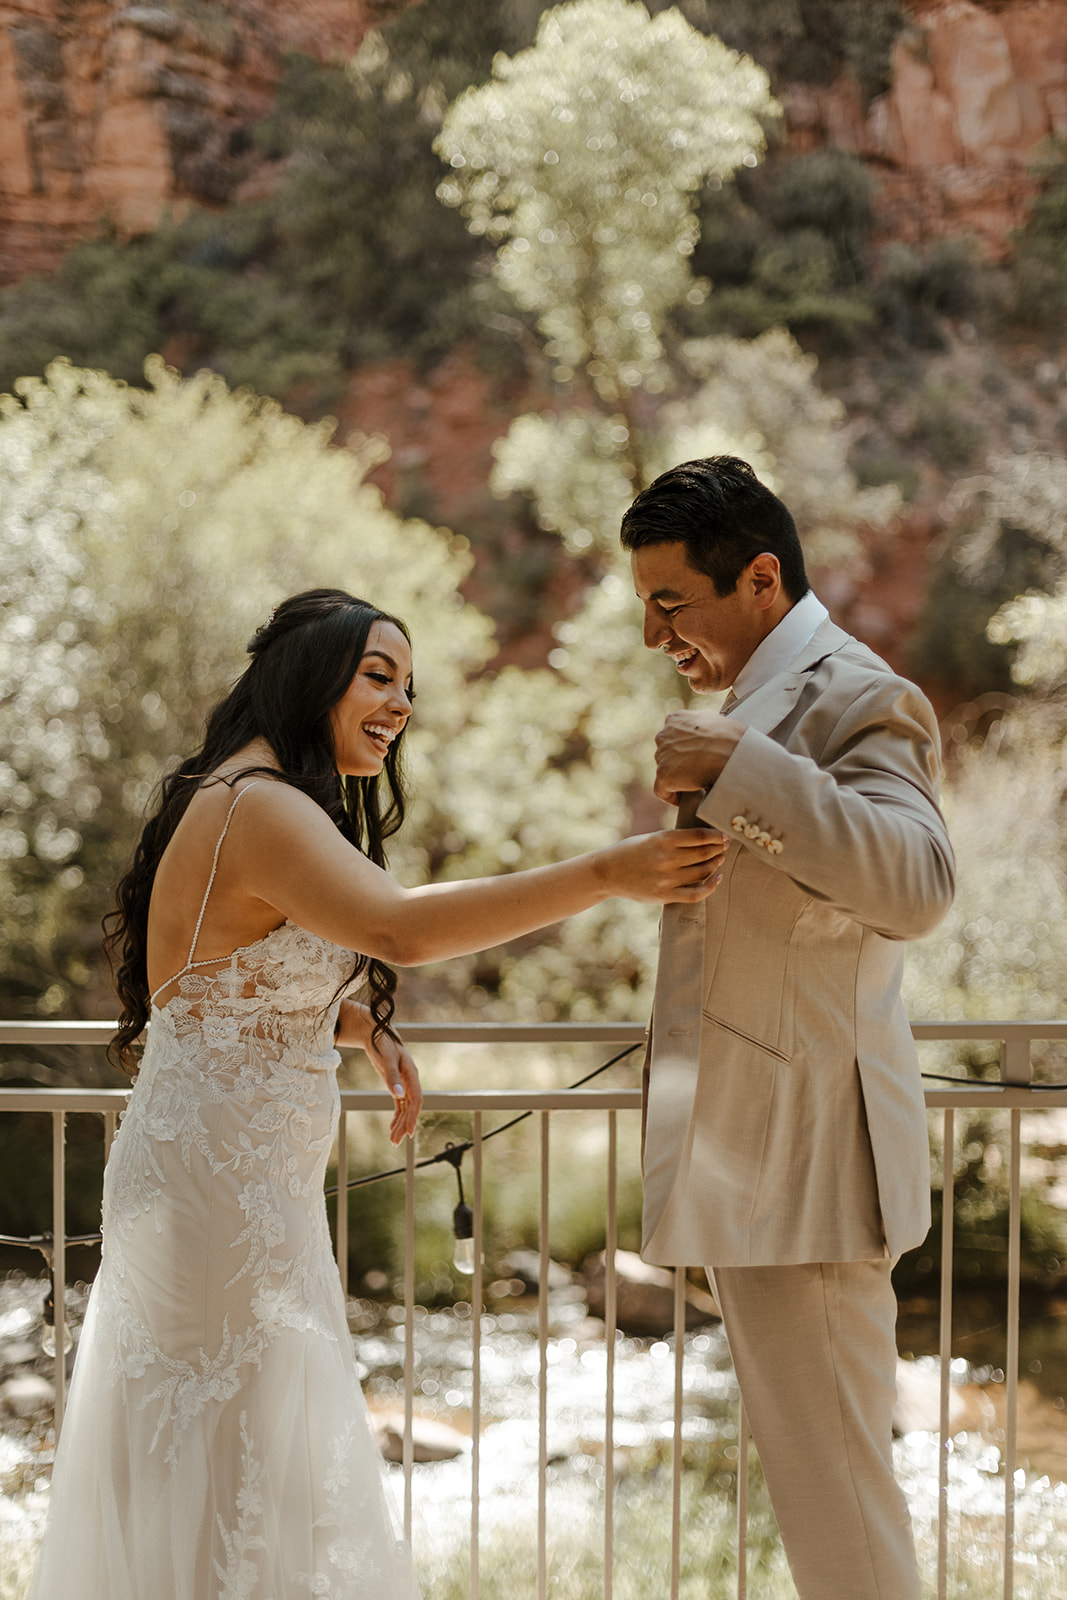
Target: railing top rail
[(65, 1032), (51, 1033), (1012, 1091), (509, 1100), (997, 1096), (1027, 1029)]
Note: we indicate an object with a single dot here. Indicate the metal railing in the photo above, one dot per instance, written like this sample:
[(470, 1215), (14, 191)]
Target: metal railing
[(1012, 1093)]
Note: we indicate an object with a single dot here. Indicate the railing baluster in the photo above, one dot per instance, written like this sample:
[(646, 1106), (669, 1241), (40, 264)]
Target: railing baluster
[(948, 1208), (1012, 1360), (408, 1452), (742, 1500), (59, 1257), (542, 1381), (477, 1291), (676, 1457), (342, 1199), (610, 1320)]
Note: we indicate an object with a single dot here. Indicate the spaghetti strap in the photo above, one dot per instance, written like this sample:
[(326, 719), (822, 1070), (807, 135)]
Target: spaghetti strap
[(189, 962)]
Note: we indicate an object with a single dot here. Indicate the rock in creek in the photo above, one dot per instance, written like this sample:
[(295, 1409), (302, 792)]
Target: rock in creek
[(644, 1295), (26, 1394), (432, 1440)]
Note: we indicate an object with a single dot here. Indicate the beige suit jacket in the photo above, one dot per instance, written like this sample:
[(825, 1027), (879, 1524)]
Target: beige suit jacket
[(784, 1111)]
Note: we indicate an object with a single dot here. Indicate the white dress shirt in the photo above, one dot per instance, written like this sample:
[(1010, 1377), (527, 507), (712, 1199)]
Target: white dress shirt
[(773, 654)]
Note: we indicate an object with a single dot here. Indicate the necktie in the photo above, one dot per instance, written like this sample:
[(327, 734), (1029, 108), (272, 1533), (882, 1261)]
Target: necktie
[(672, 1060), (680, 973)]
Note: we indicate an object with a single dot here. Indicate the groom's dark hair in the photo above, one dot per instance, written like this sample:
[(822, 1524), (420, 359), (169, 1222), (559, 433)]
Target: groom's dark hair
[(724, 516)]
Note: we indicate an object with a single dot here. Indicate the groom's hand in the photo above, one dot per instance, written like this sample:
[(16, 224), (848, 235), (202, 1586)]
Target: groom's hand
[(692, 748)]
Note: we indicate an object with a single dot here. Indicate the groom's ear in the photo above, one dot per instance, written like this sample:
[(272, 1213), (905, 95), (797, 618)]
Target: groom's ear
[(763, 577)]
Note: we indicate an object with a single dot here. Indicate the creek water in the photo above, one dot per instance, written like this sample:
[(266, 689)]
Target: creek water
[(643, 1396)]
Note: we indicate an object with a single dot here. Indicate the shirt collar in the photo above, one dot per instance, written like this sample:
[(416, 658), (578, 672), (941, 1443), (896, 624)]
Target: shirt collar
[(786, 640)]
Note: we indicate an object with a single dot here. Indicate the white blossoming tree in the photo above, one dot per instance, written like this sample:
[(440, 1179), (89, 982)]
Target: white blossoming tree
[(582, 158)]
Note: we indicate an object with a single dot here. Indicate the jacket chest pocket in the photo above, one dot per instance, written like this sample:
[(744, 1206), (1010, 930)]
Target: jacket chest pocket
[(749, 957), (771, 1052)]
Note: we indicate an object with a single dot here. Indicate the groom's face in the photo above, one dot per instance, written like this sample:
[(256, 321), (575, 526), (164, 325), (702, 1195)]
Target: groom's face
[(708, 636)]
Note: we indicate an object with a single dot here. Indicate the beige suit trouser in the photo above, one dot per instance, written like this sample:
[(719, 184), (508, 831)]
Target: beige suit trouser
[(814, 1351)]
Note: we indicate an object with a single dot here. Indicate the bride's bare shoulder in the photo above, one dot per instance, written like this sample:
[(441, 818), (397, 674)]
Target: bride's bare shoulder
[(268, 799)]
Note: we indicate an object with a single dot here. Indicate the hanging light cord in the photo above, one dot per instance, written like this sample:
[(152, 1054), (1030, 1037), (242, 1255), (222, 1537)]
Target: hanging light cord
[(454, 1153)]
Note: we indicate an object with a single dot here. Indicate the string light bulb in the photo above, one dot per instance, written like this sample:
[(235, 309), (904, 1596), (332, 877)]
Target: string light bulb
[(463, 1231), (464, 1257)]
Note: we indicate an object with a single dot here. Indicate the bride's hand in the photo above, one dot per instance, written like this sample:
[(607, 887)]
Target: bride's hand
[(679, 864), (393, 1063), (391, 1060)]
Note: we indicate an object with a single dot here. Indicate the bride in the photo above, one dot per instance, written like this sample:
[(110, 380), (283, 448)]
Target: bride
[(216, 1444)]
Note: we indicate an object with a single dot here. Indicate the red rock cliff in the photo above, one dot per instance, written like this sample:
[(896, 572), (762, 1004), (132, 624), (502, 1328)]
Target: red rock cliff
[(116, 113), (975, 89)]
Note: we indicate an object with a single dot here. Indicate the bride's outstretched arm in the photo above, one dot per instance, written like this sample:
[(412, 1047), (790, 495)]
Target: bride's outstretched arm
[(290, 856)]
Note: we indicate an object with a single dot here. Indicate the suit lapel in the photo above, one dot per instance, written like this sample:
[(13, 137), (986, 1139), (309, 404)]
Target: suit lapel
[(772, 702)]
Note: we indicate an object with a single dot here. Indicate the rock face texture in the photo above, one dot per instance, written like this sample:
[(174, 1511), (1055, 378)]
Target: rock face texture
[(975, 89), (114, 114)]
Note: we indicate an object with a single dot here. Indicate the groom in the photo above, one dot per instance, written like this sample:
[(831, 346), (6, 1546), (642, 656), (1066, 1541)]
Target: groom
[(785, 1144)]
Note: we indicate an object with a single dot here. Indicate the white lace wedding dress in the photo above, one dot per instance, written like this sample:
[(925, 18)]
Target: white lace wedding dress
[(216, 1443)]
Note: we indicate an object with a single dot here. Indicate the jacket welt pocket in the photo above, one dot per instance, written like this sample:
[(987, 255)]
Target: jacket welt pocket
[(747, 1038)]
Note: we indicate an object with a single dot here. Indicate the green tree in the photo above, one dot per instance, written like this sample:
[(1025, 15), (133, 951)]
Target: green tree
[(1022, 501), (806, 41)]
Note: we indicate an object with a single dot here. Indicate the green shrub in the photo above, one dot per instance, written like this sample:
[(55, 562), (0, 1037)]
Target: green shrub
[(805, 41), (944, 426), (1039, 261), (787, 246), (915, 289), (828, 192), (950, 644), (877, 460)]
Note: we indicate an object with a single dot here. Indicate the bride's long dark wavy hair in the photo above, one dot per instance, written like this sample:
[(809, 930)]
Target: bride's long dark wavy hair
[(303, 660)]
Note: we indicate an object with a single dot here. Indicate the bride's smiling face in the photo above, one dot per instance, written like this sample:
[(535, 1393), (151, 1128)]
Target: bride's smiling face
[(375, 707)]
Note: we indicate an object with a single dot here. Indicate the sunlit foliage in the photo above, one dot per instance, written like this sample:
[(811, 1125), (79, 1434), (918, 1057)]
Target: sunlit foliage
[(145, 533), (1002, 950), (1024, 499)]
